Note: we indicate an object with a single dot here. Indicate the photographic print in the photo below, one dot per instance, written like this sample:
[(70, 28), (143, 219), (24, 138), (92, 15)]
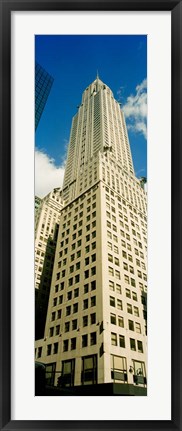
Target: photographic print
[(91, 215)]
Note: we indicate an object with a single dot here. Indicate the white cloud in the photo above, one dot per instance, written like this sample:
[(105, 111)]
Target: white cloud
[(47, 175), (120, 93), (135, 109)]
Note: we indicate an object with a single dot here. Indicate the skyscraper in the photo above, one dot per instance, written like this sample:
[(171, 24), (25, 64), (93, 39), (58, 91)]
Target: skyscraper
[(47, 214), (43, 84), (95, 332)]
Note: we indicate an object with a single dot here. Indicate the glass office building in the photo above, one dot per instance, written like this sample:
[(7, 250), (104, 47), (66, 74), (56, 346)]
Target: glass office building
[(43, 84)]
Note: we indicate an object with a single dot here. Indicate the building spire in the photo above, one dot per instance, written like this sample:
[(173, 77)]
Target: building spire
[(97, 77)]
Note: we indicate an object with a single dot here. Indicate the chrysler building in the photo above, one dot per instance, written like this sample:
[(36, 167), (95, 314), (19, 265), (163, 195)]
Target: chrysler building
[(96, 328)]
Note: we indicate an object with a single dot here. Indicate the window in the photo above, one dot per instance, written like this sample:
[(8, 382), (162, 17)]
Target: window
[(87, 273), (68, 310), (129, 308), (87, 249), (93, 285), (93, 257), (55, 348), (86, 286), (65, 345), (49, 347), (112, 301), (93, 338), (53, 316), (58, 276), (93, 270), (60, 299), (73, 343), (59, 314), (126, 278), (131, 325), (77, 278), (62, 285), (128, 293), (131, 269), (138, 327), (67, 326), (51, 331), (113, 318), (85, 304), (93, 318), (132, 344), (139, 274), (89, 370), (75, 308), (109, 244), (133, 282), (134, 296), (116, 249), (70, 281), (39, 353), (113, 339), (109, 234), (139, 372), (111, 285), (93, 301), (76, 292), (69, 295), (119, 304), (84, 340), (120, 321), (111, 271), (136, 311), (122, 341), (87, 261), (77, 266), (85, 320), (110, 258), (118, 289), (54, 302), (57, 329), (140, 346)]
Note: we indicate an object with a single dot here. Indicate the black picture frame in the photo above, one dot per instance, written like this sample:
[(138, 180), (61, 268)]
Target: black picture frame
[(6, 7)]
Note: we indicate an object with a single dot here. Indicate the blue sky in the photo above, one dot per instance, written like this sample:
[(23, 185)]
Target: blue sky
[(73, 62)]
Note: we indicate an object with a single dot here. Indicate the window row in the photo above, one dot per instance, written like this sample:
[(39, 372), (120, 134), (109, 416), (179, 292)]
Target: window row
[(87, 340), (79, 216), (119, 340), (86, 288), (119, 320)]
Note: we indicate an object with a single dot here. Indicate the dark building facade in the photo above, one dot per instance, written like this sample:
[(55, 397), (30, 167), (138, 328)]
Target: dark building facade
[(43, 84)]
